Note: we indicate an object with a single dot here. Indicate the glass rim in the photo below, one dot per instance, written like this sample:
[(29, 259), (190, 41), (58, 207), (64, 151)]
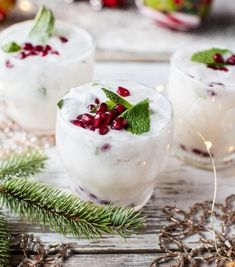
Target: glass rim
[(91, 134), (81, 57), (173, 62)]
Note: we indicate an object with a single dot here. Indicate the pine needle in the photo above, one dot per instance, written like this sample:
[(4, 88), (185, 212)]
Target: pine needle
[(66, 213), (4, 242), (22, 165)]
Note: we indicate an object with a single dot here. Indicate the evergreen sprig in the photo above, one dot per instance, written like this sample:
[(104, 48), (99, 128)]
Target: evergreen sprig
[(66, 213), (24, 165), (4, 242)]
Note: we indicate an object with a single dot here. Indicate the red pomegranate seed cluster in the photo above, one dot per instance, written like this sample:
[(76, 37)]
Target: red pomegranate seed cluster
[(218, 58), (29, 49), (104, 120)]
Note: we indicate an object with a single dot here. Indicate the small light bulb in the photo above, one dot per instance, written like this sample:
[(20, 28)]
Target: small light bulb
[(208, 144)]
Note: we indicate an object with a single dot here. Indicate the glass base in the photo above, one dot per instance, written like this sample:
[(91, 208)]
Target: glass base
[(87, 196), (203, 162)]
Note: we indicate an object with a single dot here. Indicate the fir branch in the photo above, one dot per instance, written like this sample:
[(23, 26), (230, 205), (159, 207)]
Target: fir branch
[(4, 242), (65, 213), (22, 165)]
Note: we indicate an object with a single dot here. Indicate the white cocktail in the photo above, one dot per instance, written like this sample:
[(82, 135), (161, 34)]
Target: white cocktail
[(202, 90), (105, 160), (34, 76)]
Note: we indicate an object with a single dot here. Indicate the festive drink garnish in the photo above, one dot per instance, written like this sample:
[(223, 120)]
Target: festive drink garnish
[(215, 58), (116, 113), (41, 32), (112, 146)]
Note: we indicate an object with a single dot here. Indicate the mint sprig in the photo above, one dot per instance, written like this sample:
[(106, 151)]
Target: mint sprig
[(138, 117), (60, 104), (43, 27), (110, 104), (206, 56), (116, 99), (11, 47)]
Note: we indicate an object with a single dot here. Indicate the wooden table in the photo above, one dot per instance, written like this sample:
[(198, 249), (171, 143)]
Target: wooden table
[(179, 184)]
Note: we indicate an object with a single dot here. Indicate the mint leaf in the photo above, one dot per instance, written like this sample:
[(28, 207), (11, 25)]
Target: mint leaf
[(138, 118), (206, 56), (11, 47), (43, 27), (116, 99), (110, 104), (60, 104)]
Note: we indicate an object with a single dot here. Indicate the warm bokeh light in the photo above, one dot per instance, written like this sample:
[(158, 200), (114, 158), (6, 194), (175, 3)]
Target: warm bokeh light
[(25, 5), (208, 144)]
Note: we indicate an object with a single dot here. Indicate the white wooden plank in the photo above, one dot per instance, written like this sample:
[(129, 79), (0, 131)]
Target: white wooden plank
[(179, 184)]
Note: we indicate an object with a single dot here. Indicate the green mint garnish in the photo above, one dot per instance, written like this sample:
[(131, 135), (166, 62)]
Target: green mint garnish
[(206, 56), (116, 99), (60, 103), (43, 27), (11, 47), (138, 117), (95, 84), (110, 104)]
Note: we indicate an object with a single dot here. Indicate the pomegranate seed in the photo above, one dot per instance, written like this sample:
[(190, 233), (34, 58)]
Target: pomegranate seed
[(217, 68), (28, 46), (231, 60), (102, 108), (78, 123), (48, 47), (63, 39), (113, 114), (32, 53), (8, 64), (120, 109), (106, 118), (123, 91), (55, 53), (211, 93), (97, 101), (91, 107), (22, 55), (44, 53), (218, 58), (39, 48), (86, 118), (91, 127), (223, 68), (98, 121), (119, 124), (103, 130), (106, 147)]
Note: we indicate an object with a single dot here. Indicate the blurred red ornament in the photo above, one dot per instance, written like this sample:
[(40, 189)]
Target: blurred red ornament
[(5, 7)]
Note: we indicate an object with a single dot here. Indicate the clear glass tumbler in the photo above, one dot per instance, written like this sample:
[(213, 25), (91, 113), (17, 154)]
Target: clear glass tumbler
[(118, 167), (203, 99)]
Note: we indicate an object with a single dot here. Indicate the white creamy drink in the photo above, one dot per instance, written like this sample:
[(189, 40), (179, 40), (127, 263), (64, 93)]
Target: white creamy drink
[(112, 147), (38, 68), (202, 90)]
